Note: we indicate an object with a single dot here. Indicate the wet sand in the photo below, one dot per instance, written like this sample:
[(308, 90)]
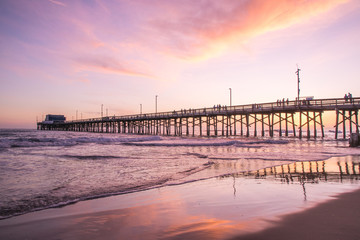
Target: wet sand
[(335, 219), (317, 203)]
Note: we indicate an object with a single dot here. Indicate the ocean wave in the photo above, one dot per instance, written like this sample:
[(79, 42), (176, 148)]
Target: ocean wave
[(176, 178), (269, 141), (206, 143), (93, 157), (122, 139), (23, 142), (225, 158), (181, 144), (46, 201), (196, 155), (274, 159), (54, 200)]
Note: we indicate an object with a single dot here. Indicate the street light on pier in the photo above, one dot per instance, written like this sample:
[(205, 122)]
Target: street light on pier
[(156, 97), (140, 108), (230, 97), (102, 105), (298, 82)]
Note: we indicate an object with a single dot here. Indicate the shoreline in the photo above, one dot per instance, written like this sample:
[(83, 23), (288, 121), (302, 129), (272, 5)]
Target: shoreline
[(239, 206), (142, 189)]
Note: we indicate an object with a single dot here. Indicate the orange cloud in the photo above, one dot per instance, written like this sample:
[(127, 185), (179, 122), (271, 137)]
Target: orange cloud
[(204, 28)]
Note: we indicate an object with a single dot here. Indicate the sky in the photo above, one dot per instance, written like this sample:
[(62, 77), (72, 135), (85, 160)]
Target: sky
[(72, 57)]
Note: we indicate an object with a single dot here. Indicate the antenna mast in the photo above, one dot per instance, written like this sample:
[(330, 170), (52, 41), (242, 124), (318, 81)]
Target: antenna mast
[(298, 82)]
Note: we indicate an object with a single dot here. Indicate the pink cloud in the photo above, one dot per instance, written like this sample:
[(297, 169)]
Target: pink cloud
[(147, 32), (194, 28), (58, 3), (107, 64)]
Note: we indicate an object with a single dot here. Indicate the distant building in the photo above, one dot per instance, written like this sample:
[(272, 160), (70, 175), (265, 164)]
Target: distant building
[(50, 118)]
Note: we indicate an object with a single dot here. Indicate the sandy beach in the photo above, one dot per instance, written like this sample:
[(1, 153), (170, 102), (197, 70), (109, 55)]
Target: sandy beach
[(335, 219), (243, 206)]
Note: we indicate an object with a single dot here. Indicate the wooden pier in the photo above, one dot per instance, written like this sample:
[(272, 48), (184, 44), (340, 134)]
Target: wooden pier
[(282, 118)]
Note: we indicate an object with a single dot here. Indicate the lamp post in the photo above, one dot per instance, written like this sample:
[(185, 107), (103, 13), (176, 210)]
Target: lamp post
[(156, 97), (298, 83), (230, 97), (102, 105), (140, 108)]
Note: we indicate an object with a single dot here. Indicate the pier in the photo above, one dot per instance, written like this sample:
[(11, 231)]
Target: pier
[(303, 118)]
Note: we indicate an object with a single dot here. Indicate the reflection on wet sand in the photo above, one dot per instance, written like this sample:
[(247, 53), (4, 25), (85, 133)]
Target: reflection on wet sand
[(335, 169), (216, 208), (331, 170), (338, 169)]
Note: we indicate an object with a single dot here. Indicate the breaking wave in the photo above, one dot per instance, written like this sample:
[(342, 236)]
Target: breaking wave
[(207, 143), (48, 141), (52, 200)]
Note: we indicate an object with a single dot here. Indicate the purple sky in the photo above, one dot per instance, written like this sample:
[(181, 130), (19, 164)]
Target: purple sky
[(65, 56)]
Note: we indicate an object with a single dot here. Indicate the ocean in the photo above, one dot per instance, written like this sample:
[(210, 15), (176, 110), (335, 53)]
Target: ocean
[(45, 169)]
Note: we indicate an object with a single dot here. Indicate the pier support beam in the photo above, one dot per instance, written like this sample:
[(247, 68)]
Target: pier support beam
[(351, 119), (315, 119)]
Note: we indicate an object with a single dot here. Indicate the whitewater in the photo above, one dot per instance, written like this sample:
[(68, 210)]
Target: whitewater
[(43, 169)]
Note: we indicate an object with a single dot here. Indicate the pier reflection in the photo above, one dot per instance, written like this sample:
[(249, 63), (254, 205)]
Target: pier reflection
[(334, 170), (312, 171)]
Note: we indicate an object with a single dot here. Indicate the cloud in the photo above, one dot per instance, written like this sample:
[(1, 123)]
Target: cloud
[(147, 32), (105, 64), (58, 3), (202, 28)]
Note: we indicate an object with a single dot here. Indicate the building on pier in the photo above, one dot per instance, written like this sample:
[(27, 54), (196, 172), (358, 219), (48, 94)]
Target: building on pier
[(51, 118)]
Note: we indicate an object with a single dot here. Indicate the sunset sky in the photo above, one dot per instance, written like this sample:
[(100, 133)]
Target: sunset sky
[(60, 56)]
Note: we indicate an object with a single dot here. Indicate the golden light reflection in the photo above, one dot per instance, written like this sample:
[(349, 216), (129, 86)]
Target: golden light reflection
[(333, 169), (184, 212), (160, 222)]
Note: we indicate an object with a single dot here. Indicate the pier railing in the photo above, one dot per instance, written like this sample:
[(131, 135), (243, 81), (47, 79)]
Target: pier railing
[(281, 105)]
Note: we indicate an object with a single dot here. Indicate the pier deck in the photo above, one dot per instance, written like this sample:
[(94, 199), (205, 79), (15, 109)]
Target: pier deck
[(261, 119)]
